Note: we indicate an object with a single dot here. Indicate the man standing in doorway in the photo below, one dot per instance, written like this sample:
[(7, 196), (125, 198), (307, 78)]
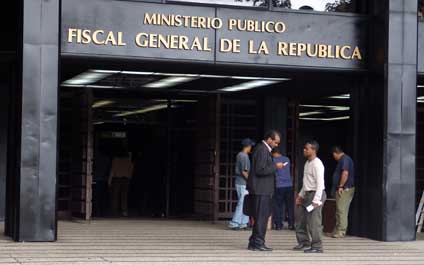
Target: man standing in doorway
[(240, 221), (260, 185), (344, 187), (310, 200)]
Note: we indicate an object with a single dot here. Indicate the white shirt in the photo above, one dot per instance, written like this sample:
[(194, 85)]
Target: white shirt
[(269, 147), (313, 179)]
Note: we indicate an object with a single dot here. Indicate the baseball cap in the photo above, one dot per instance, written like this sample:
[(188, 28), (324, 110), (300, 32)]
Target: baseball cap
[(247, 142)]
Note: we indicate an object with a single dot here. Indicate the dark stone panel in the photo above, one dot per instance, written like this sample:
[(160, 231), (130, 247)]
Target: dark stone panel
[(408, 152), (275, 117), (4, 105), (409, 111), (32, 173), (366, 210), (410, 36), (399, 130), (421, 47)]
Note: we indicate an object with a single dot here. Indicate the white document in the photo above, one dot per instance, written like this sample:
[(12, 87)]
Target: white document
[(310, 208)]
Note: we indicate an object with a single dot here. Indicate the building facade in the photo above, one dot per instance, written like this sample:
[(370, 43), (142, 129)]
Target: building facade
[(265, 61)]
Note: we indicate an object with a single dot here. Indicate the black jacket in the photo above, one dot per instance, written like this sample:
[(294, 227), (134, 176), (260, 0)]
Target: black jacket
[(261, 179)]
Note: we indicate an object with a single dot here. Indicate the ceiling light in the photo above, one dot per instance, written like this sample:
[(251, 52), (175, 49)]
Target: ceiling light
[(248, 85), (141, 111), (177, 100), (169, 82), (88, 77), (190, 75), (98, 122), (420, 98), (337, 108), (136, 73), (92, 86), (303, 114), (420, 86), (105, 71), (343, 96), (102, 103), (327, 119)]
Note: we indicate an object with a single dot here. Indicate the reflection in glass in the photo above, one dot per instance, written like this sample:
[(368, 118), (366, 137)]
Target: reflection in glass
[(421, 8), (317, 5), (257, 3)]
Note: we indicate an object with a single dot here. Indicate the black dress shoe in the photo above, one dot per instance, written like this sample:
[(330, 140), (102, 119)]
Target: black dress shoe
[(291, 227), (313, 250), (259, 248), (301, 247)]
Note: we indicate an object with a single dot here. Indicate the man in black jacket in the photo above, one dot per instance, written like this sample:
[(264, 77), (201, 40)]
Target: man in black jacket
[(260, 185)]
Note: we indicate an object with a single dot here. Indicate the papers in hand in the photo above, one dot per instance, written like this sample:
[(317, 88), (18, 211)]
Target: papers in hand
[(310, 208)]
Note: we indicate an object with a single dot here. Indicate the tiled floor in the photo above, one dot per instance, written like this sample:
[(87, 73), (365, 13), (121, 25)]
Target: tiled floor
[(193, 243)]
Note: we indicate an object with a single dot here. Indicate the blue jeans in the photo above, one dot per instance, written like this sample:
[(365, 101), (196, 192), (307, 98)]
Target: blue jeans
[(239, 219)]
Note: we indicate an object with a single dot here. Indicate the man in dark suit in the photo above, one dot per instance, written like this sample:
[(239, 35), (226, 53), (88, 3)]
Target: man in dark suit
[(260, 185)]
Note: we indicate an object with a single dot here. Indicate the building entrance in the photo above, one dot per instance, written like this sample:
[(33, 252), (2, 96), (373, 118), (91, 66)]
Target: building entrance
[(182, 132)]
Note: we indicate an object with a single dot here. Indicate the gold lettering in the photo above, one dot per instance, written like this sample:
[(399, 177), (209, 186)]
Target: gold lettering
[(301, 47), (263, 48), (72, 33), (96, 39), (356, 54), (292, 49), (183, 42), (162, 41), (251, 50), (343, 52), (110, 38), (269, 26), (231, 23), (337, 51), (178, 21), (205, 45), (280, 27), (282, 48), (202, 22), (79, 36), (153, 40), (322, 51), (196, 44), (225, 45), (309, 50), (329, 49), (86, 37), (216, 23), (150, 19), (138, 39)]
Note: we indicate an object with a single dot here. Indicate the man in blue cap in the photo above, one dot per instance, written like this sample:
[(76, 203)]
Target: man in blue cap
[(240, 221)]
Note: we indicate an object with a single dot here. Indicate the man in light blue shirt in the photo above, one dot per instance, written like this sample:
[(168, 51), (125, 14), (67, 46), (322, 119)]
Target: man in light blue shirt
[(241, 221)]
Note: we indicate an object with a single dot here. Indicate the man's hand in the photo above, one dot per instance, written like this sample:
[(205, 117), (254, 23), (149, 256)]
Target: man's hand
[(280, 165), (299, 200), (340, 191), (316, 205)]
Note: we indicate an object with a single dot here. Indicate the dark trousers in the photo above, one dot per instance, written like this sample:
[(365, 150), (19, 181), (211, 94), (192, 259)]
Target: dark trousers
[(100, 198), (120, 195), (262, 205), (283, 200)]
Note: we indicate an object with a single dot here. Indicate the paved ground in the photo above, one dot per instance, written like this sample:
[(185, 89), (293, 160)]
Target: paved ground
[(192, 243)]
